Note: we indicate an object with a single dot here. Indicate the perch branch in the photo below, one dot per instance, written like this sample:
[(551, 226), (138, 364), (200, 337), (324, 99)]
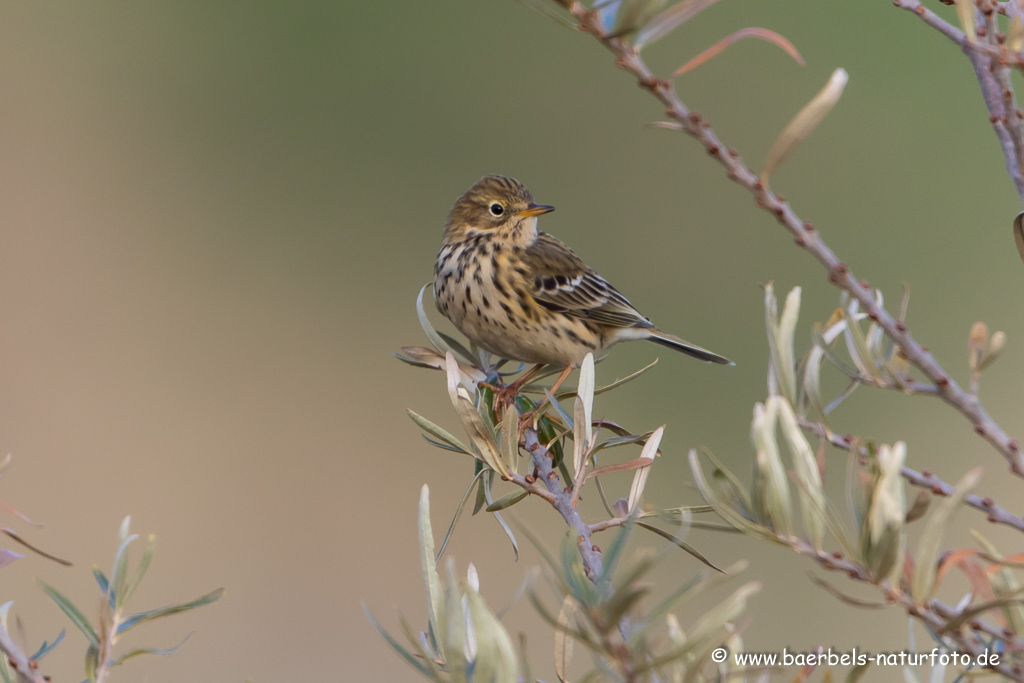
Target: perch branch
[(561, 499)]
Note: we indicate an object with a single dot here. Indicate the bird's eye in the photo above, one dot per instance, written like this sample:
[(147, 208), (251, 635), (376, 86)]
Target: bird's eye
[(497, 209)]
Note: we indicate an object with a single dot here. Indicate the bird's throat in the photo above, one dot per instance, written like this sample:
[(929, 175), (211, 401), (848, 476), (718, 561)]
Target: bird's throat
[(522, 233)]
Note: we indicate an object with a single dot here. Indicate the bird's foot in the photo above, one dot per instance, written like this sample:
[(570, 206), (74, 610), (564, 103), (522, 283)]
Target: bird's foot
[(503, 398)]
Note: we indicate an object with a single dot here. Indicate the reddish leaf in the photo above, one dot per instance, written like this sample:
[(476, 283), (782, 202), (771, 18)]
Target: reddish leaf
[(8, 508), (619, 467), (952, 559), (752, 32)]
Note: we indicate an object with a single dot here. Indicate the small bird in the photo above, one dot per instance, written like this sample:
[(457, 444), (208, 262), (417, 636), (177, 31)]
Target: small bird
[(524, 295)]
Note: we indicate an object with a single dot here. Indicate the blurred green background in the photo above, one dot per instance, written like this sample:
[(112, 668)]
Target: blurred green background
[(216, 217)]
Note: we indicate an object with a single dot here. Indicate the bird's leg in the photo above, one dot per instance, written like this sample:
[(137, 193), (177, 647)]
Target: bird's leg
[(506, 395), (536, 412)]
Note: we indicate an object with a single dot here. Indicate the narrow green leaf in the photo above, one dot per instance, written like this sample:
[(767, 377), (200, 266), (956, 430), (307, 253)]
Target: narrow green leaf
[(481, 489), (857, 346), (47, 647), (479, 433), (496, 656), (143, 566), (396, 646), (510, 437), (681, 543), (585, 391), (458, 513), (812, 497), (119, 575), (613, 553), (132, 654), (92, 657), (428, 566), (439, 432), (1018, 234), (614, 385), (804, 122), (142, 617), (453, 639), (101, 579), (786, 330), (579, 439), (639, 483), (72, 612), (504, 526), (560, 410), (727, 512), (563, 643), (428, 329), (812, 385), (444, 446), (508, 500), (425, 646), (7, 674), (772, 500), (122, 533), (458, 348)]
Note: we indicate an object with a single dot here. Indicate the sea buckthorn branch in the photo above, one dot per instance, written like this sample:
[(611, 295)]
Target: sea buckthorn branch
[(25, 668), (934, 613), (990, 60), (924, 480), (804, 234), (561, 499)]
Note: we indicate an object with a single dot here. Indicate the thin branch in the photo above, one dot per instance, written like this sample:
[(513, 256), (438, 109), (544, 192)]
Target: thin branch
[(924, 480), (934, 613), (934, 20), (989, 62), (18, 661), (561, 499), (805, 236), (530, 485)]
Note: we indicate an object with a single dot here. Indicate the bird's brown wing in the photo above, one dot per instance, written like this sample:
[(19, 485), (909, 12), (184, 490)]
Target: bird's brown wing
[(563, 282)]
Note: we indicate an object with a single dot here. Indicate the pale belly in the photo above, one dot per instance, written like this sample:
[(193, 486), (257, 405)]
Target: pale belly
[(467, 294)]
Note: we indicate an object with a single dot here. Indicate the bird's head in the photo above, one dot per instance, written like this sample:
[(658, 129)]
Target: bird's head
[(494, 203)]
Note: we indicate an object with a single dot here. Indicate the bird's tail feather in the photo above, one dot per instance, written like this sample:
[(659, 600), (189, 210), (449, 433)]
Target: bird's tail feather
[(674, 342)]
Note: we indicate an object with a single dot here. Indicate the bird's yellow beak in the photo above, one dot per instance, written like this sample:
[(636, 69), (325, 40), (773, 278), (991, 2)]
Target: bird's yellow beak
[(535, 210)]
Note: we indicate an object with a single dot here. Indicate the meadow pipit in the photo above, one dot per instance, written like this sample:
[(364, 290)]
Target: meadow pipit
[(524, 295)]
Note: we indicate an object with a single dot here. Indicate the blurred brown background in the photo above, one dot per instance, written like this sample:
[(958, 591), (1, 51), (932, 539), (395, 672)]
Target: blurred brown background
[(216, 217)]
